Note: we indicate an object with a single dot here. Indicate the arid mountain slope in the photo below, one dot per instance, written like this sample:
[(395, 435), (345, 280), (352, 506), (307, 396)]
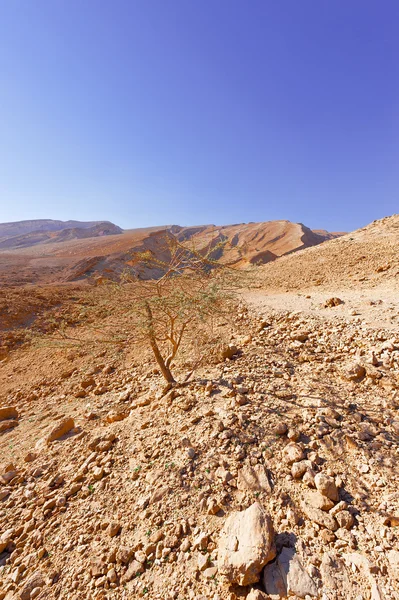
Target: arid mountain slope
[(49, 262), (16, 228), (35, 238), (366, 257), (253, 243)]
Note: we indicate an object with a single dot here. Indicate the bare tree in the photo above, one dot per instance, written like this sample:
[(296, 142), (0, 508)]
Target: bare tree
[(187, 295)]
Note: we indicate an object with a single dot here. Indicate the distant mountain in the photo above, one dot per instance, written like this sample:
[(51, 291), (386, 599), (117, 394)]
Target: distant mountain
[(24, 234), (23, 227), (101, 250)]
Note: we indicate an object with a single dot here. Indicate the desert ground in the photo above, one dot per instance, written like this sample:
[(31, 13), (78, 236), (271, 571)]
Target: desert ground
[(271, 472)]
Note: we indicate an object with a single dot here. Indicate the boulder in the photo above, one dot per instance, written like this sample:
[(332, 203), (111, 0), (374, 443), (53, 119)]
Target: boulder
[(246, 545), (253, 478), (287, 577)]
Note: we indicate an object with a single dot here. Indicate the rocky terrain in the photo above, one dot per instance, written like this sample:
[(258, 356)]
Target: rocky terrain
[(271, 473), (102, 250)]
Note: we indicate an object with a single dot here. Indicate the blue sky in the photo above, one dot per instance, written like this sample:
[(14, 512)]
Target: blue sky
[(149, 112)]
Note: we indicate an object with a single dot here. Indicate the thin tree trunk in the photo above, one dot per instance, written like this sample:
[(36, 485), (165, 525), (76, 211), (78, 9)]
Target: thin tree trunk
[(154, 346)]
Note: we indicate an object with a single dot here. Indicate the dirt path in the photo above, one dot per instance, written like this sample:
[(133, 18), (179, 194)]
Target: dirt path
[(374, 308)]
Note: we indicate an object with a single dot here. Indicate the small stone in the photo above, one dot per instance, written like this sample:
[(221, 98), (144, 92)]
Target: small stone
[(202, 561), (228, 351), (135, 569), (35, 581), (115, 415), (60, 430), (190, 452), (113, 528), (8, 412), (281, 429), (253, 478), (124, 554), (98, 473), (293, 453), (326, 486), (317, 500), (30, 457), (112, 576), (210, 572), (298, 469), (345, 519), (9, 424), (185, 545), (319, 516)]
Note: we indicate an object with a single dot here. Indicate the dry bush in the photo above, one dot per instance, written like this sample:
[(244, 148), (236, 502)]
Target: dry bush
[(177, 312)]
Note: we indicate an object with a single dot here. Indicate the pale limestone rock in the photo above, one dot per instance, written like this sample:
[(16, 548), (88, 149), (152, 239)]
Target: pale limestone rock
[(246, 544), (287, 576), (253, 478), (61, 429), (319, 516), (326, 486)]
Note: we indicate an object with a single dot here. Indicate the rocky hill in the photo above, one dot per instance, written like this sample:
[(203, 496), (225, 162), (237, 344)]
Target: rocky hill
[(270, 473), (17, 228), (38, 257), (363, 258), (52, 232)]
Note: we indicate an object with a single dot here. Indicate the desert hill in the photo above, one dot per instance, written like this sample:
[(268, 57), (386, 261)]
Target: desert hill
[(51, 232), (18, 228), (366, 257), (40, 257), (271, 472)]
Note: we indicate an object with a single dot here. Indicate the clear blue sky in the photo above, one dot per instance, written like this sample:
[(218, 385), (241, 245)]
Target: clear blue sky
[(149, 112)]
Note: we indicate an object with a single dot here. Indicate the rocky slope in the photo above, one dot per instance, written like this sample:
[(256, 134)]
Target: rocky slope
[(363, 258), (272, 472)]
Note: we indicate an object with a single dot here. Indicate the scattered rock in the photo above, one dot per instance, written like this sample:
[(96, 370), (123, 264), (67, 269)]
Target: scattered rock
[(253, 478), (319, 516), (286, 576), (326, 486), (229, 351), (317, 500), (293, 453), (246, 544), (61, 429), (8, 412), (331, 302), (35, 581)]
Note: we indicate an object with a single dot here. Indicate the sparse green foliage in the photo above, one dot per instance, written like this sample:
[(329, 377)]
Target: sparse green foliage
[(186, 296)]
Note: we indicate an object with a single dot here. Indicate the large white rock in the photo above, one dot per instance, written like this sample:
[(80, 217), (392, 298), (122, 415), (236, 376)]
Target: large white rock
[(246, 545), (287, 576)]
